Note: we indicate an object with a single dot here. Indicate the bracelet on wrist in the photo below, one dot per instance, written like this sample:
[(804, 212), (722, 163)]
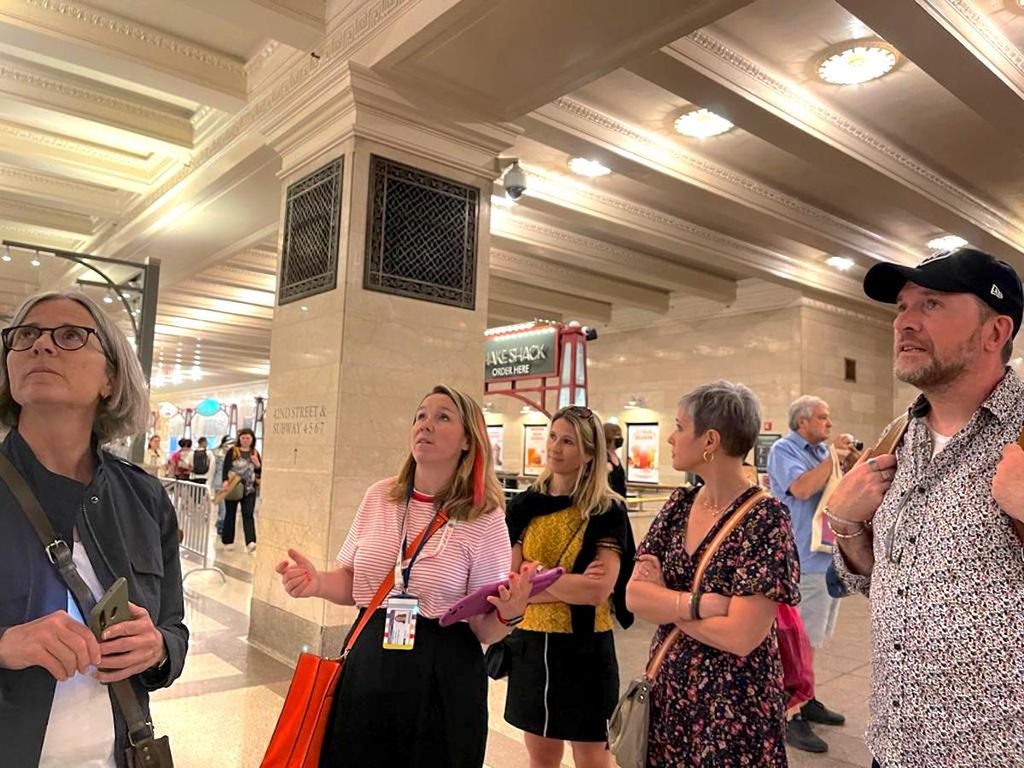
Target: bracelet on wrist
[(695, 606), (844, 521), (513, 622), (840, 535)]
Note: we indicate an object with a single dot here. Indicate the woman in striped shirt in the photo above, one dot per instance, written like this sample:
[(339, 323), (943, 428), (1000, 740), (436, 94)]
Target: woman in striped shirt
[(426, 706)]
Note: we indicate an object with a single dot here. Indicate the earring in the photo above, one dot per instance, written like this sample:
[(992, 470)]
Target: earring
[(708, 457)]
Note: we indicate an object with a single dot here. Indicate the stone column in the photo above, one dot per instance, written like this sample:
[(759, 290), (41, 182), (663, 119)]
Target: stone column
[(349, 365)]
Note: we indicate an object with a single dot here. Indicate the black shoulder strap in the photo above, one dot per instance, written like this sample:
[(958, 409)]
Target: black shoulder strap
[(60, 554)]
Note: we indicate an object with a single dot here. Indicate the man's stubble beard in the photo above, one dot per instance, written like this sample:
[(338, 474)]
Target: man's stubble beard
[(937, 373)]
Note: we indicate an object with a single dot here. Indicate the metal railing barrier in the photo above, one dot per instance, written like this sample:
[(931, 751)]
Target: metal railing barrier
[(193, 506)]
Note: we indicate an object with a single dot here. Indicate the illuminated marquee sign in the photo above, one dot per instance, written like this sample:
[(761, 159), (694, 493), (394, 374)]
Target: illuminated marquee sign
[(525, 354)]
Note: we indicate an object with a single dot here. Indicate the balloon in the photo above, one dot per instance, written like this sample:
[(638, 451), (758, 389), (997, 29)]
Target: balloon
[(208, 407)]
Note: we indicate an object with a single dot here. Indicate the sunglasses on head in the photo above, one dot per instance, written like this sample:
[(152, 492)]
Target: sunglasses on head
[(576, 410)]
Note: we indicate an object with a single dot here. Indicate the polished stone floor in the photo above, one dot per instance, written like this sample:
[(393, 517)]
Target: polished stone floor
[(220, 713)]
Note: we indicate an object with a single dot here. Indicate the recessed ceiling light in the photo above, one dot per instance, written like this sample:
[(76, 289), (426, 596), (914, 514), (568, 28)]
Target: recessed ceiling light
[(34, 262), (841, 263), (590, 168), (702, 124), (858, 64), (946, 243)]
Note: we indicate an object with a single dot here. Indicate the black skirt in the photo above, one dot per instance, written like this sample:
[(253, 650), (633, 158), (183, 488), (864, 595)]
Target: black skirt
[(562, 686), (419, 709)]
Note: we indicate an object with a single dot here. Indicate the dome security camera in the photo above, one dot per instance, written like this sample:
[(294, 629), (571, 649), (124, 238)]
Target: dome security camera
[(515, 181)]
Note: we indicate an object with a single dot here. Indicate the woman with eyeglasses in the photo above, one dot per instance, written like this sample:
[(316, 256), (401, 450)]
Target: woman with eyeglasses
[(69, 383), (563, 679), (718, 699), (424, 706)]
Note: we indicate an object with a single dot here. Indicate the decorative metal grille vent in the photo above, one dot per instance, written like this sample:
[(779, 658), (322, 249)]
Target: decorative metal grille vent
[(312, 228), (421, 235)]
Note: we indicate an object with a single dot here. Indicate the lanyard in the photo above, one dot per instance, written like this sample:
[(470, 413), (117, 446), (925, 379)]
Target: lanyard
[(403, 574)]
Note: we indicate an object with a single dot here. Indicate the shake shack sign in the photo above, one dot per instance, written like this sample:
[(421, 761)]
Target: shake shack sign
[(521, 355)]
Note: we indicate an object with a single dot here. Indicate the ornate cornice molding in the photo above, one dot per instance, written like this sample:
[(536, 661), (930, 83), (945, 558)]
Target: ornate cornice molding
[(262, 104), (746, 183), (148, 35), (510, 223), (255, 65), (31, 79), (982, 24), (801, 103), (134, 163), (708, 239), (712, 237), (41, 235), (531, 264)]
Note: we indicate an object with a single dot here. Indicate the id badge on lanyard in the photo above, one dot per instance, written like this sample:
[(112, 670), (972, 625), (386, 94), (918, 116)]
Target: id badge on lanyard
[(403, 608)]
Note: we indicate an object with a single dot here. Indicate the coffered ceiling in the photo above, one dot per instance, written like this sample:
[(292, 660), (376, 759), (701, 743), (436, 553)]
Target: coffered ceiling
[(132, 129)]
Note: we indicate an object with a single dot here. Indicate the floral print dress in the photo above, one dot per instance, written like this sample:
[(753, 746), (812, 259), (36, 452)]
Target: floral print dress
[(710, 708)]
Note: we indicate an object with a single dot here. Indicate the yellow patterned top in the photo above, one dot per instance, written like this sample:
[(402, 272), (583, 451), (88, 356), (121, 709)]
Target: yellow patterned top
[(547, 539)]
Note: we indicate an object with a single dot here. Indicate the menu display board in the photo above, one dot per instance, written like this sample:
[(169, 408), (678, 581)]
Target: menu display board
[(496, 434), (535, 443), (642, 445)]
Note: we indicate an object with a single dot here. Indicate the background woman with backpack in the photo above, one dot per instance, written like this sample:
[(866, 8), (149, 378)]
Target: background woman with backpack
[(242, 460)]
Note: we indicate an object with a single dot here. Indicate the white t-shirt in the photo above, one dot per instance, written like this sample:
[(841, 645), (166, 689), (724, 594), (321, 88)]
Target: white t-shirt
[(938, 441), (80, 732)]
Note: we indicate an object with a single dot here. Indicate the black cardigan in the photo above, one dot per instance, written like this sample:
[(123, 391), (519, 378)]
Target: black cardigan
[(612, 524)]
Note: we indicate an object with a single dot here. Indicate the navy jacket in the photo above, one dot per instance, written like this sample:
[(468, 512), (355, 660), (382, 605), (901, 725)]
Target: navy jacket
[(128, 527)]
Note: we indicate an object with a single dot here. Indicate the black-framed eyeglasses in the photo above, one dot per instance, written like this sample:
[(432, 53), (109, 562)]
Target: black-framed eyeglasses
[(18, 338)]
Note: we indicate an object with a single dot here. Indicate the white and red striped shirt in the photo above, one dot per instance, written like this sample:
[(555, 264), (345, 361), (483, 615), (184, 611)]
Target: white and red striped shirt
[(459, 559)]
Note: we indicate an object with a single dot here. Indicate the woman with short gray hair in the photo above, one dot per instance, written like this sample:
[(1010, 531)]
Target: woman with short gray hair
[(70, 382), (718, 699)]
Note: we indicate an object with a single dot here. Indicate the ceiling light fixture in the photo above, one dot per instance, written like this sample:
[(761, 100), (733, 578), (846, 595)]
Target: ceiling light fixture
[(858, 63), (702, 124), (108, 297), (7, 253), (34, 262), (841, 263), (583, 166), (946, 243)]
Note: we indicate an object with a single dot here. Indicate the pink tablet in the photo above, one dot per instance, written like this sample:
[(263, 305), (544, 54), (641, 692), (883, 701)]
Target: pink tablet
[(476, 603)]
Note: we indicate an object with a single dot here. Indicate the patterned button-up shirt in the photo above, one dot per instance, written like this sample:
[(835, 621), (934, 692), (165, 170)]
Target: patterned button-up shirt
[(947, 600)]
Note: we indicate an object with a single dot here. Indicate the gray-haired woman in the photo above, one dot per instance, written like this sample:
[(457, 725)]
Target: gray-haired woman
[(70, 382), (718, 699)]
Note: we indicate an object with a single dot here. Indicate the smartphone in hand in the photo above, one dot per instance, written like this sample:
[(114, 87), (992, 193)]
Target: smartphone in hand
[(111, 609)]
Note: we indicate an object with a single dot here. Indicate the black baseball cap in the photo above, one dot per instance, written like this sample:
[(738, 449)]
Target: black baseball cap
[(961, 270)]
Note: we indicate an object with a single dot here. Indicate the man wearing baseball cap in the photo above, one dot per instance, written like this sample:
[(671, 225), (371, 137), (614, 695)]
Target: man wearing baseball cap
[(933, 531)]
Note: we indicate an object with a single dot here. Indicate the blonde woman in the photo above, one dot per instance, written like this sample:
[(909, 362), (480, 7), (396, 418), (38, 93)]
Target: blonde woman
[(426, 706), (563, 676)]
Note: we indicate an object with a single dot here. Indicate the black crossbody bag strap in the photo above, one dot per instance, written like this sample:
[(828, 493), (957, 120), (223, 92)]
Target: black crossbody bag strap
[(59, 553)]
